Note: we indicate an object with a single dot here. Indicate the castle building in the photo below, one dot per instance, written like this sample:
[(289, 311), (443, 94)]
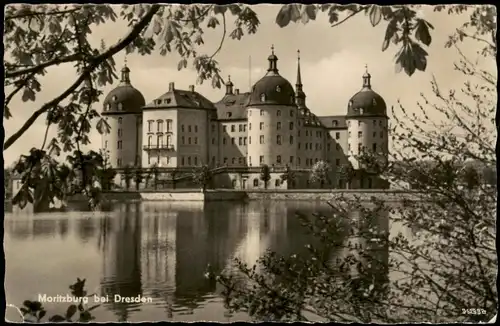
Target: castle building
[(271, 124)]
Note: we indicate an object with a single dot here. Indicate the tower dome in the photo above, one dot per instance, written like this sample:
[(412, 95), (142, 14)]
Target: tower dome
[(124, 98), (366, 102), (272, 89)]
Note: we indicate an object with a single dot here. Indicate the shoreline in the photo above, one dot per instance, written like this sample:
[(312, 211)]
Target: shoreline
[(251, 195)]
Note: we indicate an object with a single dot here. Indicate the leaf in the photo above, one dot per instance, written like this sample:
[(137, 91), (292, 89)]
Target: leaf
[(390, 31), (295, 12), (422, 32), (220, 9), (284, 16), (71, 311), (212, 22), (57, 319), (28, 95), (182, 64), (6, 113), (309, 13), (375, 15)]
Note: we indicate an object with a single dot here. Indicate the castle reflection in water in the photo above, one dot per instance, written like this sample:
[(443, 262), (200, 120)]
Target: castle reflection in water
[(161, 250)]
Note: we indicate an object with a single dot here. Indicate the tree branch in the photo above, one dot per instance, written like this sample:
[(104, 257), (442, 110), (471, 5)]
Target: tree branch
[(35, 13), (35, 69), (354, 13), (94, 62)]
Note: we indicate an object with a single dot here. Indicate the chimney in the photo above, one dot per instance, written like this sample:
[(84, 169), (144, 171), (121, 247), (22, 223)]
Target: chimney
[(237, 91), (171, 86), (191, 88)]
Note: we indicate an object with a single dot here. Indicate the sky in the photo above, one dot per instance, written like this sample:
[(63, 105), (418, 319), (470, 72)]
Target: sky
[(333, 61)]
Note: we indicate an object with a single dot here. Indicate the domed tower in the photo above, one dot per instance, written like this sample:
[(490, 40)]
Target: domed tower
[(367, 123), (122, 111), (272, 114)]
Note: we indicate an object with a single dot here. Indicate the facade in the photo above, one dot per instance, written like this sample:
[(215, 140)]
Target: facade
[(271, 124)]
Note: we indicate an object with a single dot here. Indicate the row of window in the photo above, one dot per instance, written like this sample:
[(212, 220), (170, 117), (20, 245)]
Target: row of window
[(309, 146), (362, 148), (278, 112), (360, 123), (159, 140), (360, 134), (159, 125), (241, 128)]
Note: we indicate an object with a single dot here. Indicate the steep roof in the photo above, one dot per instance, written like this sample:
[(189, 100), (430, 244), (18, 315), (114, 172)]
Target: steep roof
[(232, 107)]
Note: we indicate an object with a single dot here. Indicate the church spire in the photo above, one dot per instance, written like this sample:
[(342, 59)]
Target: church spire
[(229, 86), (125, 73), (300, 96), (366, 78)]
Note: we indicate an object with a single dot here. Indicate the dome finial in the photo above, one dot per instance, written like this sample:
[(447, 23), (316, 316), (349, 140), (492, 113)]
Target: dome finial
[(125, 73), (273, 61), (272, 49), (298, 54), (366, 78)]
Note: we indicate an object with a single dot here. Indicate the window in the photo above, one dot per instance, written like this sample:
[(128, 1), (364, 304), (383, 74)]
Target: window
[(374, 122), (169, 125), (250, 160), (374, 147), (233, 128), (225, 160), (262, 139), (349, 134), (213, 128), (360, 134), (182, 160), (182, 128), (189, 128), (360, 148), (298, 146), (189, 140), (196, 160), (278, 88), (245, 141), (337, 147), (233, 183), (233, 160), (261, 125), (360, 111), (317, 146), (291, 140), (249, 112), (149, 159), (255, 182), (337, 135), (240, 160), (240, 128), (328, 147), (359, 123), (150, 126), (261, 112), (224, 128), (291, 159), (119, 132), (195, 128), (119, 162), (232, 141), (249, 126), (277, 183), (335, 123), (374, 134), (278, 125), (213, 160), (298, 160), (229, 114), (278, 113), (159, 126), (169, 140), (261, 159), (119, 144), (291, 113), (348, 123), (213, 141), (183, 140), (278, 140), (106, 144), (380, 123), (278, 159), (120, 107), (189, 160), (381, 134), (224, 141), (249, 140), (337, 161), (240, 141), (262, 97), (196, 140), (159, 141), (291, 125), (120, 120)]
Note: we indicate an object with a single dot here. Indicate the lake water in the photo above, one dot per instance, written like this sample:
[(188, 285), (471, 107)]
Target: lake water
[(154, 249)]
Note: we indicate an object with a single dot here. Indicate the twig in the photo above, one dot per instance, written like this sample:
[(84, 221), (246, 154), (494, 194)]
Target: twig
[(34, 14), (354, 13), (94, 63)]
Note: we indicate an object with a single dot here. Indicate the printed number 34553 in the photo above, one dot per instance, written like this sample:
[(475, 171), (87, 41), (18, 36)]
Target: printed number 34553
[(474, 311)]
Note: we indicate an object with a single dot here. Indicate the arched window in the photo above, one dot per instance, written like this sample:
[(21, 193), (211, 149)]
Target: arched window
[(234, 183), (159, 126), (169, 140), (277, 183), (278, 140), (374, 102), (291, 113), (291, 140), (169, 125), (189, 160), (255, 182), (278, 113), (261, 112), (262, 97), (335, 123), (278, 88), (120, 120), (278, 159), (159, 140), (150, 141), (120, 106)]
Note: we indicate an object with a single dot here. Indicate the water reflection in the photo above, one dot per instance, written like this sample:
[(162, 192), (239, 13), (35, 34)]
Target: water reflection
[(161, 249)]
